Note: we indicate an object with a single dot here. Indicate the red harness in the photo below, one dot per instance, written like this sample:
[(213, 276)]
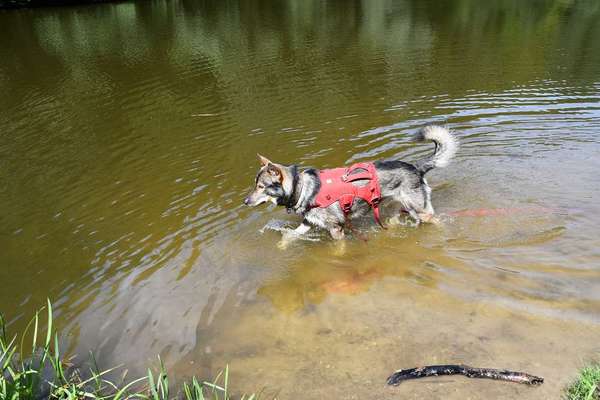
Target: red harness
[(336, 186)]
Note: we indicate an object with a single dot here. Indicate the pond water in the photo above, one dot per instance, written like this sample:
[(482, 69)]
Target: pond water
[(128, 140)]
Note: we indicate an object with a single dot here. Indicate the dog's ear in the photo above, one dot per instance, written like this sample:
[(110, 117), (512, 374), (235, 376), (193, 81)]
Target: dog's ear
[(274, 170), (264, 161)]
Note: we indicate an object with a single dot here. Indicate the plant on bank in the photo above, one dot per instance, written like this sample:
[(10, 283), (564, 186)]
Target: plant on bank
[(587, 384), (33, 368)]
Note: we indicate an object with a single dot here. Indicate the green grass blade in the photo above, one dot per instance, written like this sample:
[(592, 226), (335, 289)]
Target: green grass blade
[(226, 381), (109, 383), (153, 391), (186, 391), (35, 334), (2, 329), (195, 391), (120, 393), (4, 347), (214, 385), (9, 351), (96, 375), (199, 390), (163, 380), (23, 336), (590, 394), (58, 362), (49, 332), (46, 349)]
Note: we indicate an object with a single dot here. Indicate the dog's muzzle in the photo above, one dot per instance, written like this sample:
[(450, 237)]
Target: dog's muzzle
[(247, 201)]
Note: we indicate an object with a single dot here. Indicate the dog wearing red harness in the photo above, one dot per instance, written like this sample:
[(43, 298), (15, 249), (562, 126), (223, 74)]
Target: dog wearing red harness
[(337, 185), (330, 198)]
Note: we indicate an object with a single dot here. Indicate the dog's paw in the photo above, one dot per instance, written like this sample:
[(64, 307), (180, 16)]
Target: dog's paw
[(395, 221), (430, 219), (435, 220), (402, 220)]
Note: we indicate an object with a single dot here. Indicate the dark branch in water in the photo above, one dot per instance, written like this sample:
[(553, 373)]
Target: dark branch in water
[(470, 372)]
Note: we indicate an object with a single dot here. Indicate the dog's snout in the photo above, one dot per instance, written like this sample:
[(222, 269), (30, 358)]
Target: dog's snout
[(247, 200)]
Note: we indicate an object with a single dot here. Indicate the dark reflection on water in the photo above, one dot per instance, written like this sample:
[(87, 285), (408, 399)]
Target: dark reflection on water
[(128, 135)]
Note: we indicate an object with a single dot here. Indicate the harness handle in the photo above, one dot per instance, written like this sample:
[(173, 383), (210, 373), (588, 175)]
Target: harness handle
[(357, 177)]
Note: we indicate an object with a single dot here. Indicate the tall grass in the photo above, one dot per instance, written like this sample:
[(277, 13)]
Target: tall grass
[(32, 367)]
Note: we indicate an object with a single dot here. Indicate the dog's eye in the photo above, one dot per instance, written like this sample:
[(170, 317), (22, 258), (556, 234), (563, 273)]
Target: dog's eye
[(260, 186)]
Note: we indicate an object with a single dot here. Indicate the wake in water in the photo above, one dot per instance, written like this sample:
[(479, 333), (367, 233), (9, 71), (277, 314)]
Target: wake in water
[(284, 227), (498, 212)]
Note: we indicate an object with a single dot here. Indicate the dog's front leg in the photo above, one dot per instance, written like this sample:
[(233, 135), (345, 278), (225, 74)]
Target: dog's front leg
[(289, 236), (337, 232)]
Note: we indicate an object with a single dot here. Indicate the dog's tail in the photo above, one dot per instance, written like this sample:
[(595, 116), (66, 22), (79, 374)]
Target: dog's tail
[(446, 146)]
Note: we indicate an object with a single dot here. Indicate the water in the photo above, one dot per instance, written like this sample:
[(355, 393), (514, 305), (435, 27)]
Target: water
[(128, 140)]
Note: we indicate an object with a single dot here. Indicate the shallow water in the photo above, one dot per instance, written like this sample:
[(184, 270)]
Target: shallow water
[(128, 135)]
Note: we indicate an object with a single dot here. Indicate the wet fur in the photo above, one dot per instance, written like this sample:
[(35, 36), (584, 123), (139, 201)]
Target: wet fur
[(402, 184)]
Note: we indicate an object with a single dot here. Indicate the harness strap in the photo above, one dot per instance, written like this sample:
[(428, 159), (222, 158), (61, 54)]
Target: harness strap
[(346, 202), (376, 215), (357, 177)]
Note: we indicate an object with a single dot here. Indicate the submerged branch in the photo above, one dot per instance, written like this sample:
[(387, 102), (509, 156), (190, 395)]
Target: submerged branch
[(487, 373)]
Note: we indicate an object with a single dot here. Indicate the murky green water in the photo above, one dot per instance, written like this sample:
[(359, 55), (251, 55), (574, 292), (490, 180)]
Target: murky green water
[(128, 135)]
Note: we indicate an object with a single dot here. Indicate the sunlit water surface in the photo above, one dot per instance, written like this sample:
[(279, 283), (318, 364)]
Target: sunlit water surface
[(128, 135)]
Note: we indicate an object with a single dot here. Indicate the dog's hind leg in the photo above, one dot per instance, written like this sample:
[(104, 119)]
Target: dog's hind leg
[(427, 214), (337, 233), (417, 203), (415, 216)]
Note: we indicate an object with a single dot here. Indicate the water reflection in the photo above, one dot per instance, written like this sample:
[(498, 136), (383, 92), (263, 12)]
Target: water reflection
[(129, 134)]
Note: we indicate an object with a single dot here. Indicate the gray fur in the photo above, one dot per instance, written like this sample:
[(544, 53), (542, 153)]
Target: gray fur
[(402, 184)]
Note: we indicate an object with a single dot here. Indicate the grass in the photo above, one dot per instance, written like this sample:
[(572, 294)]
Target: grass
[(32, 367), (586, 385)]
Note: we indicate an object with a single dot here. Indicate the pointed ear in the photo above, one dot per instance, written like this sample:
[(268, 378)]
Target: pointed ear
[(264, 161), (274, 170)]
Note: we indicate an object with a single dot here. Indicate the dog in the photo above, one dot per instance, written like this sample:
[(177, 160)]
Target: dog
[(395, 182)]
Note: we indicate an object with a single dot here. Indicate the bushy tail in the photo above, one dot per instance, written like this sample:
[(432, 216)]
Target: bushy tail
[(446, 146)]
